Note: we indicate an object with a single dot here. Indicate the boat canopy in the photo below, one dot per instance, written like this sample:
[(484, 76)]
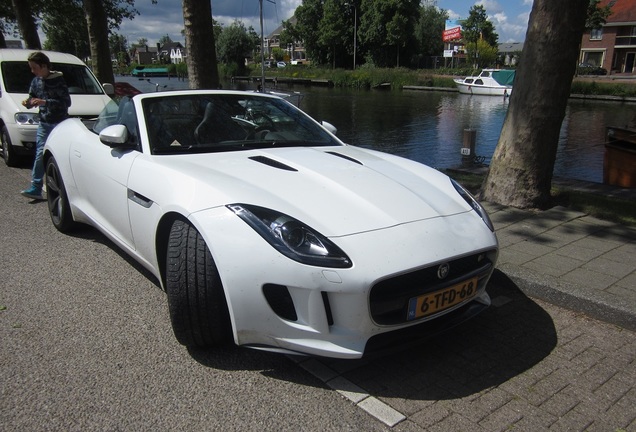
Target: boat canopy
[(504, 77)]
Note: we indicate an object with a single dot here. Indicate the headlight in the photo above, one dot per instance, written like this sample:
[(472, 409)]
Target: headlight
[(291, 237), (470, 199), (27, 118)]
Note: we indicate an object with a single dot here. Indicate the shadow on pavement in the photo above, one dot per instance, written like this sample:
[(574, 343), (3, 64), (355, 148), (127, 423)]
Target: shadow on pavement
[(510, 337)]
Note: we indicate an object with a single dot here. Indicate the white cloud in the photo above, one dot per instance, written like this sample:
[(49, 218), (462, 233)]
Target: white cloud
[(491, 6), (452, 15)]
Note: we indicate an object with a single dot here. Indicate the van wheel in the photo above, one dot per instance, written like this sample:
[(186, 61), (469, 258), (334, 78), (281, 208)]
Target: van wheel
[(9, 156)]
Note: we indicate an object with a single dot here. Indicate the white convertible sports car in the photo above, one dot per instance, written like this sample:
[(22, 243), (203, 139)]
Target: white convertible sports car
[(266, 230)]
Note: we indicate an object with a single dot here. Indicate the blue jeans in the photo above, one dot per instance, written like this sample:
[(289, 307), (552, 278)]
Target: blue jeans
[(37, 175)]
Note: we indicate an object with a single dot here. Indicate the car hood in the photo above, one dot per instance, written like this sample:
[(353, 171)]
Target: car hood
[(336, 190)]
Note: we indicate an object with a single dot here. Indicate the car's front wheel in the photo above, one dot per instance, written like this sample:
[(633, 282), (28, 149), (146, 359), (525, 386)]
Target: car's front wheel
[(59, 207), (8, 154), (198, 309)]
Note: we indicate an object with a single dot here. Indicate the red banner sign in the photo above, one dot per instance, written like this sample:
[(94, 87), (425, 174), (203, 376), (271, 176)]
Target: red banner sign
[(452, 34)]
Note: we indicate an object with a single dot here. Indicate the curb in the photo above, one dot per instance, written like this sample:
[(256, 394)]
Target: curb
[(569, 297)]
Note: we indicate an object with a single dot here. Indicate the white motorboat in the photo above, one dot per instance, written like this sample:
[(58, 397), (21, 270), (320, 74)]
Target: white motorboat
[(490, 82)]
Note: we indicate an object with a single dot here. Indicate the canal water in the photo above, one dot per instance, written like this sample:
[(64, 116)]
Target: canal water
[(428, 126)]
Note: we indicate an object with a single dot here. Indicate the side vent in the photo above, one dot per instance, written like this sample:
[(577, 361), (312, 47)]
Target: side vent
[(349, 158), (280, 301), (273, 163), (325, 300)]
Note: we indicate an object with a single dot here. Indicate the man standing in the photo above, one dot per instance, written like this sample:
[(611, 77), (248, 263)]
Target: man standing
[(49, 92)]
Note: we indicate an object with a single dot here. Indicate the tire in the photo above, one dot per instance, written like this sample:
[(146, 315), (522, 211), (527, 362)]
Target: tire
[(8, 154), (59, 207), (196, 300)]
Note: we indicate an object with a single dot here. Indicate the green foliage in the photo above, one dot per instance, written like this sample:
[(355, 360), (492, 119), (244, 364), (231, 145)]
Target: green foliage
[(234, 45), (477, 26), (597, 16), (429, 29), (335, 31), (308, 17), (181, 69), (484, 55), (600, 88), (60, 36), (387, 30)]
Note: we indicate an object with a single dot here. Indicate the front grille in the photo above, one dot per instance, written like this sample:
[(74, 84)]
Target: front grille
[(389, 298)]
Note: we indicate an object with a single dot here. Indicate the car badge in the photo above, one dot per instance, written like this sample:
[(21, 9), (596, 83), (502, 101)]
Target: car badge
[(443, 270)]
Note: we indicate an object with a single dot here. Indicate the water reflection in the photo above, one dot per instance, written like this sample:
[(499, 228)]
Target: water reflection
[(428, 126)]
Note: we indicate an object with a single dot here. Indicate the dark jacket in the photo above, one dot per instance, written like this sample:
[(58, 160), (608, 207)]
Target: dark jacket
[(55, 91)]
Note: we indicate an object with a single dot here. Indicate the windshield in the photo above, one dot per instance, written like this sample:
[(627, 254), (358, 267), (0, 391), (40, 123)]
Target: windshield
[(17, 77), (205, 123)]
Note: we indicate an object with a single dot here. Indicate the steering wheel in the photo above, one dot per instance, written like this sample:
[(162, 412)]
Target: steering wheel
[(260, 118)]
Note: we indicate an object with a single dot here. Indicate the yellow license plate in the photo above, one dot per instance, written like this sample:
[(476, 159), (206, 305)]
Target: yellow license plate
[(437, 301)]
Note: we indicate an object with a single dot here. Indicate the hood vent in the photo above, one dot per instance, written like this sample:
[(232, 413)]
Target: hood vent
[(349, 158), (273, 163)]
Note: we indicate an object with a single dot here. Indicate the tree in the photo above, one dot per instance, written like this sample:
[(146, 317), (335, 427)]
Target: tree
[(201, 59), (63, 37), (477, 27), (308, 17), (26, 22), (387, 29), (596, 15), (165, 39), (234, 46), (97, 25), (119, 47), (429, 29), (334, 31), (521, 169), (485, 55), (7, 23)]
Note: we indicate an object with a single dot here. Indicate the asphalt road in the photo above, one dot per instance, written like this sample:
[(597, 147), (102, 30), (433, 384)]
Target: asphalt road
[(86, 345)]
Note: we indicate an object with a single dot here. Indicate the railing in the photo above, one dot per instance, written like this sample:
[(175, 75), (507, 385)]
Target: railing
[(625, 41)]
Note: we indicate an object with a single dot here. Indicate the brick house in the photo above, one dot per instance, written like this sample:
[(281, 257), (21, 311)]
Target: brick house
[(613, 46)]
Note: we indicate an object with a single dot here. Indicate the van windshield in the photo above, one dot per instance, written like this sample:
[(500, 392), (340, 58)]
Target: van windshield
[(17, 77)]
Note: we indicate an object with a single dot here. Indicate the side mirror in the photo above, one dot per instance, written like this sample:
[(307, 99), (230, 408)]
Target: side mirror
[(109, 89), (331, 128), (115, 136)]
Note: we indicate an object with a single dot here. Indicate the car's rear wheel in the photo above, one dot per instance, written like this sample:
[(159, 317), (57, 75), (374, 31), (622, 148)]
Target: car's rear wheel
[(8, 154), (198, 309), (59, 207)]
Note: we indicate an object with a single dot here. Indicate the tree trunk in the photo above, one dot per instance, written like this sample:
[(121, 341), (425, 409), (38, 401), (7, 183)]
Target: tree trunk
[(521, 168), (26, 22), (201, 51), (97, 24)]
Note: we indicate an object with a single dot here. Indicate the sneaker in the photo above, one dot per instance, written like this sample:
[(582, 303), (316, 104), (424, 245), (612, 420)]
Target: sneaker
[(33, 193)]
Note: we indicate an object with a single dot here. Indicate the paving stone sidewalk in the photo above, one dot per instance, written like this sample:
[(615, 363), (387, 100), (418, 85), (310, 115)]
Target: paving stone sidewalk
[(570, 259), (556, 351)]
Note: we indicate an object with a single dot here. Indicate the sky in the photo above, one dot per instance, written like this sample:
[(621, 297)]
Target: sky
[(510, 17)]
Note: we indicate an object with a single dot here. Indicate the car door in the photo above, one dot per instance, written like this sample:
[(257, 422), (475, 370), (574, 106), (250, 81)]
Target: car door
[(101, 174)]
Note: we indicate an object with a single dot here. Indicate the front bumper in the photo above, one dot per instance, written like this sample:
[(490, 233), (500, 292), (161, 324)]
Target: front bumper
[(332, 308)]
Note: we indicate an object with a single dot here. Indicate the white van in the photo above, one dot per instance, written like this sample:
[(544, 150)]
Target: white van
[(18, 125)]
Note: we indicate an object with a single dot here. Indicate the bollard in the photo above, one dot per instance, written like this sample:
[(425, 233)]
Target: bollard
[(468, 147)]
